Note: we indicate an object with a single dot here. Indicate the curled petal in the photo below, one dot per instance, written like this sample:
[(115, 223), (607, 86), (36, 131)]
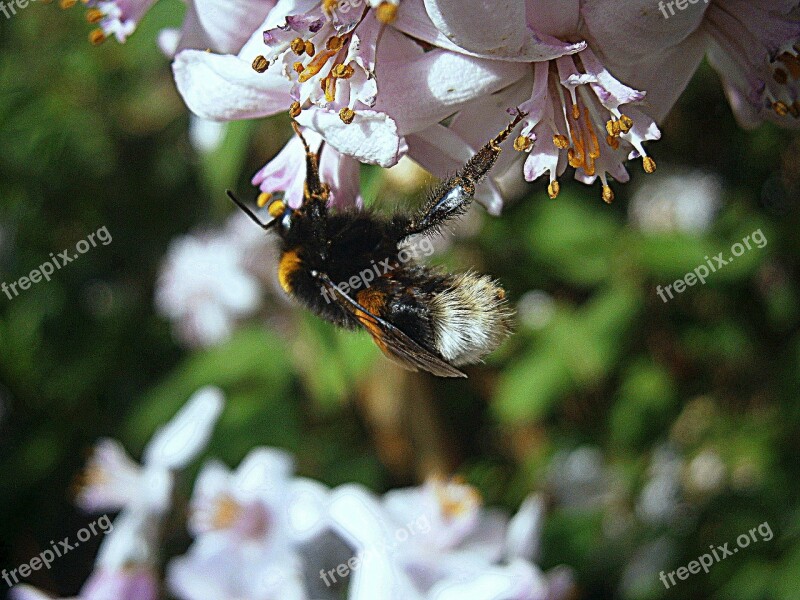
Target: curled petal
[(222, 25), (372, 137)]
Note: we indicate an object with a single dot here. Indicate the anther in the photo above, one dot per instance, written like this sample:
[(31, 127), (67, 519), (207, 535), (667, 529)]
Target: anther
[(294, 109), (612, 141), (386, 13), (97, 37), (649, 164), (625, 123), (347, 115), (334, 43), (342, 71), (310, 49), (553, 189), (276, 209), (780, 108), (561, 142), (263, 198), (65, 4), (522, 143), (298, 67), (329, 5), (576, 112), (260, 64), (608, 194), (94, 15), (298, 46)]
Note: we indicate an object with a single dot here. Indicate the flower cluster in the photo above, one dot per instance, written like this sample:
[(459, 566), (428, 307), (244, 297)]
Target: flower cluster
[(376, 79), (261, 533)]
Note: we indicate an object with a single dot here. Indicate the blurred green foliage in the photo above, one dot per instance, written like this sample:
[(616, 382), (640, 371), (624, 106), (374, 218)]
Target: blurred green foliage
[(98, 136)]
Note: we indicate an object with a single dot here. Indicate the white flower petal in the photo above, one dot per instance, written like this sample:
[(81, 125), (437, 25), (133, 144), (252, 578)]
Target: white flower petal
[(226, 88), (180, 440)]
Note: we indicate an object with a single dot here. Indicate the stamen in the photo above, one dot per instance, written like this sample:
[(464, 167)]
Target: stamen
[(315, 66), (298, 46), (522, 143), (97, 37), (612, 141), (94, 15), (576, 112), (560, 141), (553, 189), (298, 67), (263, 198), (649, 164), (613, 128), (294, 109), (625, 123), (780, 108), (310, 49), (386, 13), (334, 43), (260, 64), (329, 85), (276, 209), (594, 151), (608, 194), (347, 115), (66, 4), (329, 5), (342, 71)]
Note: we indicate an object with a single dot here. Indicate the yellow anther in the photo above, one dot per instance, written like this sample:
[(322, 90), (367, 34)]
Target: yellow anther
[(260, 64), (612, 141), (334, 43), (65, 4), (649, 164), (522, 143), (608, 194), (561, 142), (97, 37), (310, 49), (625, 123), (553, 189), (576, 112), (575, 161), (386, 12), (347, 115), (263, 198), (294, 109), (298, 67), (613, 128), (94, 15), (298, 46), (329, 5), (276, 209), (780, 108), (342, 71)]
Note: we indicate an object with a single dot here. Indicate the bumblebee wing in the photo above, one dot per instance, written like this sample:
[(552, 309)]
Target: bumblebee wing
[(392, 341)]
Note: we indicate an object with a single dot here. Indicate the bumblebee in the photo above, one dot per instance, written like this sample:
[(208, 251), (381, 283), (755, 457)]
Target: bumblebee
[(418, 316)]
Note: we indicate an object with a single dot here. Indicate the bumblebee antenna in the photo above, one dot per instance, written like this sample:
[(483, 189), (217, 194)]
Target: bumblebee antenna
[(250, 213)]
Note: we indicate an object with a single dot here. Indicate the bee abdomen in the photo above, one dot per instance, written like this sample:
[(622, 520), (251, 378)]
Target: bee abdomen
[(470, 318)]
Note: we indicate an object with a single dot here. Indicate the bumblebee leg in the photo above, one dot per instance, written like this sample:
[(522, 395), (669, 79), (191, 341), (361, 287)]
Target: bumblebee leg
[(453, 196), (314, 188)]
